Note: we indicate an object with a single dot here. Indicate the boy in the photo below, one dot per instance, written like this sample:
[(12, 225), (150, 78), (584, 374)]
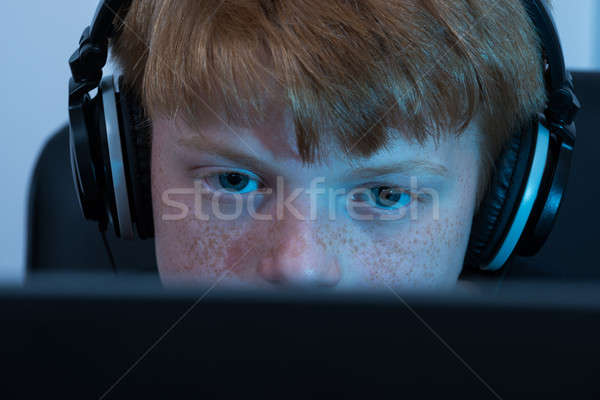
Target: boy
[(329, 143)]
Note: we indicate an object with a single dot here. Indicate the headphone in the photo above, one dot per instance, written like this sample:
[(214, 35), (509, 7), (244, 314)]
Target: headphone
[(110, 156)]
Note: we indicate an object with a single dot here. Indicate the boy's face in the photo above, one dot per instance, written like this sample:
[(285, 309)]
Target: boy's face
[(235, 205)]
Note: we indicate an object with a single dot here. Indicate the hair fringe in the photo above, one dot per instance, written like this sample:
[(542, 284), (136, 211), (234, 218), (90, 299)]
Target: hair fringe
[(347, 69)]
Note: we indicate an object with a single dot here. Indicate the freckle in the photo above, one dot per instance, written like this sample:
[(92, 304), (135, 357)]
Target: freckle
[(320, 242)]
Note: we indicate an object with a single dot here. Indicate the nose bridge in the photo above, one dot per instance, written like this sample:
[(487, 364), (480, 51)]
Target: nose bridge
[(297, 256), (297, 238)]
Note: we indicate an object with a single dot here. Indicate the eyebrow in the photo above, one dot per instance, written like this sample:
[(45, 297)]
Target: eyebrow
[(204, 145), (408, 167)]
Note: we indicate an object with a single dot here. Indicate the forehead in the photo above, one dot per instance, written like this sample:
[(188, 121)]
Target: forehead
[(273, 136)]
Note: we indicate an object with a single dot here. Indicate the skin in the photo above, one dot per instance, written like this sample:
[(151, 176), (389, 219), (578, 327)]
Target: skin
[(422, 248)]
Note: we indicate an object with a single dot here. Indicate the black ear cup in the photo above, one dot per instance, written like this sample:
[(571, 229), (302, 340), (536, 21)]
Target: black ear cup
[(90, 154), (137, 142), (110, 159), (499, 206), (117, 188), (552, 189), (84, 157)]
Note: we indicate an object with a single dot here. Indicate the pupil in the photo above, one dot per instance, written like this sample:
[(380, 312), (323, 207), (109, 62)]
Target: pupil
[(233, 180), (385, 196)]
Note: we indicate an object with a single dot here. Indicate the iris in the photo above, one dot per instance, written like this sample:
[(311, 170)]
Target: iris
[(390, 198), (236, 182)]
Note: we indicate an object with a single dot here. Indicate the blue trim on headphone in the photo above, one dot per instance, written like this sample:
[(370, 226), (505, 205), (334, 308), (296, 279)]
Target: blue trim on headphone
[(530, 194)]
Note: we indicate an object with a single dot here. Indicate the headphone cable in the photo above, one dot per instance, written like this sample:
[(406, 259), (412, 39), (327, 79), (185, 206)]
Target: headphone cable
[(107, 247)]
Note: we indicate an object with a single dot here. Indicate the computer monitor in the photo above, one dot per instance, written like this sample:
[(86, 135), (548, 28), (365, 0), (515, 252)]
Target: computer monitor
[(101, 337)]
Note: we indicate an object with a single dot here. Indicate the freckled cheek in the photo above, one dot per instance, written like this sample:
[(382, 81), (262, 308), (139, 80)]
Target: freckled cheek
[(391, 262), (192, 249), (422, 256)]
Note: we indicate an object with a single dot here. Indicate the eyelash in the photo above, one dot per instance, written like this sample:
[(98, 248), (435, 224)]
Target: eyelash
[(217, 174), (418, 197)]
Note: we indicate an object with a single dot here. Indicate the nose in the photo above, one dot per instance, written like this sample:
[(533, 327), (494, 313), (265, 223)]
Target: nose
[(297, 258)]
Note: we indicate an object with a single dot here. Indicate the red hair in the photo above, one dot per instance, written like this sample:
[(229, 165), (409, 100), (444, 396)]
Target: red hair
[(346, 68)]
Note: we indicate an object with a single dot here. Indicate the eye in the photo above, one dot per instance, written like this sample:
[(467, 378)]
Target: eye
[(237, 182), (386, 197)]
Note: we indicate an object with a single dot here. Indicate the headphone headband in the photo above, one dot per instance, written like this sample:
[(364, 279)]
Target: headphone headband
[(563, 104), (88, 60), (102, 24)]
